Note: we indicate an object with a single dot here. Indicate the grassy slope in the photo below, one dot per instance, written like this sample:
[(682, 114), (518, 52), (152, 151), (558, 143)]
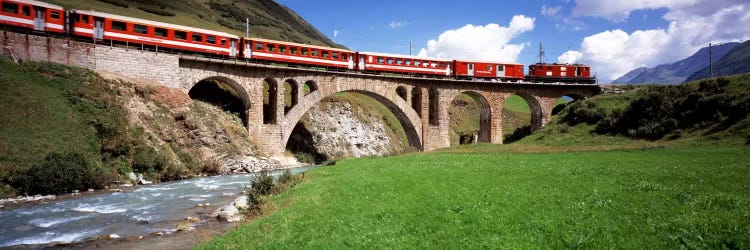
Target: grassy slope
[(268, 19), (663, 198)]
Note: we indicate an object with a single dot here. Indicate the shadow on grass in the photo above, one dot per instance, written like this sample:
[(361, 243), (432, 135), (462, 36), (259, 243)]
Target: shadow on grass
[(517, 135)]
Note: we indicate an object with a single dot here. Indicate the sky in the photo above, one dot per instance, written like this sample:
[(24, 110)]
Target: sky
[(613, 36)]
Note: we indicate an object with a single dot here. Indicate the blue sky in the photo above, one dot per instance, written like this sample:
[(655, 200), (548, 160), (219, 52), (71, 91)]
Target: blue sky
[(614, 36)]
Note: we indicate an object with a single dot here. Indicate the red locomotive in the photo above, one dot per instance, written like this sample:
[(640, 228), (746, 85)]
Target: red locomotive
[(491, 70), (566, 73), (43, 17)]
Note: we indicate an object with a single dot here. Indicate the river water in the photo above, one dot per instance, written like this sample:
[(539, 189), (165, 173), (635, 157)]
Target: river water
[(141, 211)]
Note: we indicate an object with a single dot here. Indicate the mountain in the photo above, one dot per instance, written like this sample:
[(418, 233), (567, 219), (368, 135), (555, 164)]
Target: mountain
[(268, 19), (737, 61), (677, 72)]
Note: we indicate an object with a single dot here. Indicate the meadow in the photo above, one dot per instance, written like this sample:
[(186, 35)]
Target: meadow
[(653, 197)]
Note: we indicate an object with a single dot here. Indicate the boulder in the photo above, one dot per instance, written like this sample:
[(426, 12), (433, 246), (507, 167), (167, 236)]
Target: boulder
[(114, 236), (143, 181), (132, 177), (228, 213), (241, 202)]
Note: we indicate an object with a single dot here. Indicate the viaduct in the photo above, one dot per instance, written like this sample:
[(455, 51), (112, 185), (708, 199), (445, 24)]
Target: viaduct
[(421, 104)]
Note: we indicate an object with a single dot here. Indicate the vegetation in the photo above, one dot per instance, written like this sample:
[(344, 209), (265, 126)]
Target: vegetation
[(655, 198), (264, 185)]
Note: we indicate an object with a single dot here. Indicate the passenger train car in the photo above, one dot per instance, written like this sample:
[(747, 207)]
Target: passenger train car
[(37, 16)]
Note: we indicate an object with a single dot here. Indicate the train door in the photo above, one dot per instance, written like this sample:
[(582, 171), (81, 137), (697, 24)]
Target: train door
[(98, 28), (362, 62), (470, 69), (39, 22), (578, 71), (500, 70), (232, 47), (248, 48)]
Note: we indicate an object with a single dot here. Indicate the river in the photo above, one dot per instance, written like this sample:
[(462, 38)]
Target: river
[(141, 211)]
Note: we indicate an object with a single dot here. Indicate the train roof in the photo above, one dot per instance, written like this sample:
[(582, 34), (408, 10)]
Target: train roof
[(155, 23), (559, 64), (298, 44), (404, 56), (39, 3), (489, 62)]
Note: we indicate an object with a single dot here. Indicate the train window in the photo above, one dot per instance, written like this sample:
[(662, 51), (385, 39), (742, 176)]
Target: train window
[(197, 37), (335, 55), (314, 53), (26, 11), (271, 48), (85, 18), (211, 39), (182, 35), (223, 41), (304, 51), (442, 65), (489, 67), (10, 8), (399, 61), (407, 62), (325, 54), (258, 46), (381, 60), (54, 15), (162, 32), (471, 66), (282, 49), (293, 50), (390, 60), (141, 29), (586, 69), (344, 56), (118, 25), (417, 63), (500, 67)]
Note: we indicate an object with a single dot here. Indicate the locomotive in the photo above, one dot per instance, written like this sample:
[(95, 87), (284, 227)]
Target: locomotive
[(98, 26)]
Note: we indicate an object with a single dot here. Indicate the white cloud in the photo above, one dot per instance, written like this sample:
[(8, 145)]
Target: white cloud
[(336, 34), (550, 11), (398, 24), (488, 42), (692, 25), (570, 56)]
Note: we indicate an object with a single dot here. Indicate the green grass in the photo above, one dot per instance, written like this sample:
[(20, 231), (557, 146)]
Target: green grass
[(682, 197), (516, 103)]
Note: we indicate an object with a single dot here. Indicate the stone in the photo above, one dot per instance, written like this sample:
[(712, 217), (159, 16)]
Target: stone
[(228, 213), (132, 177), (193, 219), (158, 234), (114, 236), (241, 202), (143, 181), (184, 226)]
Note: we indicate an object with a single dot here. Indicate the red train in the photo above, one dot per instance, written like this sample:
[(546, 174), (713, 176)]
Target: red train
[(43, 17)]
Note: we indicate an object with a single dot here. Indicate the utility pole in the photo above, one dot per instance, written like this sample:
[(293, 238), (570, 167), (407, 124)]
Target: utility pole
[(247, 27), (541, 53), (411, 46), (710, 61)]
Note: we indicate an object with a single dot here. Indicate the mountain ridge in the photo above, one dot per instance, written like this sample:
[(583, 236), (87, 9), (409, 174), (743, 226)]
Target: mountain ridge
[(736, 61)]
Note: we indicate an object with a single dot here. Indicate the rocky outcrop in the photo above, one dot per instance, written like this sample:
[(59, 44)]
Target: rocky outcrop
[(337, 130), (228, 213)]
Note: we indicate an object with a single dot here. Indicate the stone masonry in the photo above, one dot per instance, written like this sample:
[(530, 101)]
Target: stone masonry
[(421, 104)]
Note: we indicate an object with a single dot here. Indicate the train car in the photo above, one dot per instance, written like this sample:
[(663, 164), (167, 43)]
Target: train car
[(32, 15), (379, 62), (487, 70), (567, 73), (295, 53), (103, 26)]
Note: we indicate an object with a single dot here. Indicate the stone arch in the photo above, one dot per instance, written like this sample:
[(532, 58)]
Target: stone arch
[(291, 88), (270, 101), (535, 106), (401, 92), (214, 90), (416, 100), (309, 87), (433, 111), (409, 119), (485, 113)]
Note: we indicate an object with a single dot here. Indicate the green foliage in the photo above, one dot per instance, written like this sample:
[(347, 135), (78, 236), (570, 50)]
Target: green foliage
[(212, 166), (158, 11), (120, 3), (147, 159), (61, 173), (582, 112)]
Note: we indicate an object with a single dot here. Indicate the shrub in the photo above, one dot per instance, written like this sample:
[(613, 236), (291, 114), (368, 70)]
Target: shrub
[(212, 166), (582, 112), (173, 172), (61, 173), (147, 159)]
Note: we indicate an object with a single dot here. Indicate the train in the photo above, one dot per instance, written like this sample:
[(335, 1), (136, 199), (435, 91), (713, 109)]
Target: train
[(48, 18)]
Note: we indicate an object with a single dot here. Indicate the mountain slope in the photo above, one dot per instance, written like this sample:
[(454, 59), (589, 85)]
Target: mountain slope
[(268, 19), (737, 61), (677, 72)]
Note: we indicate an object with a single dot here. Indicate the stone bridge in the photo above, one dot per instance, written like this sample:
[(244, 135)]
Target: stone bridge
[(421, 104)]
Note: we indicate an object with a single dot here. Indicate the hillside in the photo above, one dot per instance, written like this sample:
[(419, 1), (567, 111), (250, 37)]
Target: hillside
[(677, 72), (268, 19), (736, 61)]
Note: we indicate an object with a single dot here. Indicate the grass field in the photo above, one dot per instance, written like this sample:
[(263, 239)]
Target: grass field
[(655, 199)]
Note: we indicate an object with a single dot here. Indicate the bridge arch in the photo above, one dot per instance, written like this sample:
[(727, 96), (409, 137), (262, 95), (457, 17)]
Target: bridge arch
[(485, 113), (536, 109), (409, 119), (222, 91), (291, 90), (270, 101)]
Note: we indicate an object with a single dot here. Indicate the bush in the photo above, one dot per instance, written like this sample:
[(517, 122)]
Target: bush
[(147, 159), (173, 172), (211, 167), (582, 112), (61, 173)]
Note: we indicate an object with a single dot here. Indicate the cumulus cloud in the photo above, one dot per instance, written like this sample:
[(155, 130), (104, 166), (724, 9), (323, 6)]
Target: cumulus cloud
[(570, 57), (398, 24), (550, 11), (488, 42), (692, 25)]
